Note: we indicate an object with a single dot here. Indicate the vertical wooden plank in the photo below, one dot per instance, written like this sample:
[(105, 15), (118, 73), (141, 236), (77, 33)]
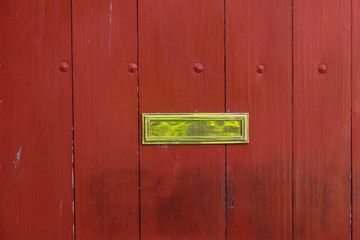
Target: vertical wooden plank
[(35, 120), (356, 118), (259, 174), (182, 187), (322, 103), (106, 134)]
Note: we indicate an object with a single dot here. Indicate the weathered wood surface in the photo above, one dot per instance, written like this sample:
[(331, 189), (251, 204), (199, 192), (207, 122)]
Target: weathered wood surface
[(293, 72), (35, 121), (356, 118), (322, 119), (106, 127), (258, 81)]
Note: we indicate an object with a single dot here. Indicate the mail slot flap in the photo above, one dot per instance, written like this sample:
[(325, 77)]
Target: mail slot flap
[(195, 128)]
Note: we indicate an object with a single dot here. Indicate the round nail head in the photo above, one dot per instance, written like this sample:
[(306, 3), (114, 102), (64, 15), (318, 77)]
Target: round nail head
[(198, 67), (64, 67), (132, 67), (260, 68), (322, 68)]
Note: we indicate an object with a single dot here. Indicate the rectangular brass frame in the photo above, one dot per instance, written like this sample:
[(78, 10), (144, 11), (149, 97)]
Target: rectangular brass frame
[(195, 128)]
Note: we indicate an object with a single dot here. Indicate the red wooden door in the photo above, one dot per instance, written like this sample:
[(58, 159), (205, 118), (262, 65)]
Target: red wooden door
[(76, 76)]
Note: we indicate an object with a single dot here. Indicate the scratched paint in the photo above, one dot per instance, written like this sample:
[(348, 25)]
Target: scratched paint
[(17, 158), (110, 19), (61, 205)]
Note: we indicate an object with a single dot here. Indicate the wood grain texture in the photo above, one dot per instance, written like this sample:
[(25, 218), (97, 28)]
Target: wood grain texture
[(106, 127), (259, 174), (182, 187), (356, 118), (35, 121), (322, 112)]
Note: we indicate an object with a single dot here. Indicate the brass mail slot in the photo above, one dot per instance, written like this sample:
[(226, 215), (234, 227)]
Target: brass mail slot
[(195, 128)]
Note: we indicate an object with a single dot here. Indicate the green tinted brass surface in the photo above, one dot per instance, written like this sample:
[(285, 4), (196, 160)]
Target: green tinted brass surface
[(195, 128)]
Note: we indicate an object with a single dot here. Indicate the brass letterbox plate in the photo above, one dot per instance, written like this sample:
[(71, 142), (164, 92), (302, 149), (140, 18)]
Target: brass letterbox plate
[(195, 128)]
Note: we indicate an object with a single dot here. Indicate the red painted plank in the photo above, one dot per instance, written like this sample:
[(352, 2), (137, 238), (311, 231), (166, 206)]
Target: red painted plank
[(182, 187), (322, 112), (356, 117), (259, 174), (35, 121), (106, 127)]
